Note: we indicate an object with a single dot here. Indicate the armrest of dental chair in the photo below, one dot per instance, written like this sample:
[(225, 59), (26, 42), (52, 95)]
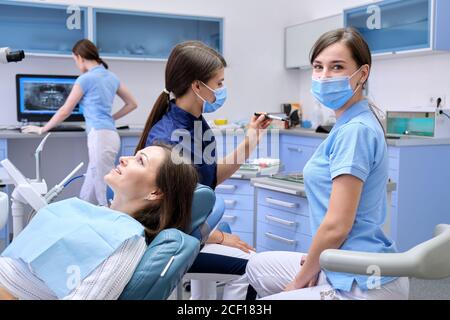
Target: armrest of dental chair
[(4, 209), (164, 263), (428, 260)]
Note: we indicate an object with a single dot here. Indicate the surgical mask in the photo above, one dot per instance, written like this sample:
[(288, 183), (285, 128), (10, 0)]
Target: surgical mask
[(220, 94), (335, 92)]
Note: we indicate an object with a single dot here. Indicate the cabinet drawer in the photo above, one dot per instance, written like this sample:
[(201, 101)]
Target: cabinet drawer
[(128, 151), (284, 219), (129, 142), (279, 239), (246, 236), (294, 157), (237, 202), (234, 186), (281, 201), (239, 220)]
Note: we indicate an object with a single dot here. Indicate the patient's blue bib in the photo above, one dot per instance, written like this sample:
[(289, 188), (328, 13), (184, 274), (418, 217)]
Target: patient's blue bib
[(69, 239)]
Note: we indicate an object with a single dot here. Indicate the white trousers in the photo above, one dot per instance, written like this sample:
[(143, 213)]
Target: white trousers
[(235, 289), (270, 272), (103, 147)]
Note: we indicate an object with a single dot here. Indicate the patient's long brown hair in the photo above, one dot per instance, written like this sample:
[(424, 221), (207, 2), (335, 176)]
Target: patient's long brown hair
[(177, 182)]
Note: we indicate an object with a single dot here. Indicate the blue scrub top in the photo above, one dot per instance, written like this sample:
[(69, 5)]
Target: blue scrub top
[(179, 127), (356, 146), (99, 87)]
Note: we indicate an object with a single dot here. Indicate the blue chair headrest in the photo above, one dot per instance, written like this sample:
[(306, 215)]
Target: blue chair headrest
[(164, 263), (202, 204), (203, 231)]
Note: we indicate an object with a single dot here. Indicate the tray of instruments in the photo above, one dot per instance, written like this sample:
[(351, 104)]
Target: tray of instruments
[(291, 177)]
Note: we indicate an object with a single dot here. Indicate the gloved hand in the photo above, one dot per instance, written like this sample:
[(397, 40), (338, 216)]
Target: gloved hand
[(32, 129)]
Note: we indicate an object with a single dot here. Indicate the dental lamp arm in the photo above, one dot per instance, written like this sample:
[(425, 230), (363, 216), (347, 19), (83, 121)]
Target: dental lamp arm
[(37, 155), (428, 260)]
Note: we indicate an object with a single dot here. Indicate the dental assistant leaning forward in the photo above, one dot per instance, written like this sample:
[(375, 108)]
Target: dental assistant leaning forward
[(345, 182), (94, 90), (194, 79)]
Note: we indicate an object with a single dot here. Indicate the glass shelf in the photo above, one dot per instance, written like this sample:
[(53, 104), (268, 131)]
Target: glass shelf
[(151, 36), (38, 28)]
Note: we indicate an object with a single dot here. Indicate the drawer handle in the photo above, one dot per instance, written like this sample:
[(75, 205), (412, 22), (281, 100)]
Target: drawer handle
[(229, 218), (281, 203), (281, 221), (230, 202), (281, 239), (226, 187), (299, 150)]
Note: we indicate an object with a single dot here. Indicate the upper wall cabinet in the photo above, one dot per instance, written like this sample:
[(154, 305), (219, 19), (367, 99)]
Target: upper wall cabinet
[(393, 26), (151, 36), (299, 39), (41, 28)]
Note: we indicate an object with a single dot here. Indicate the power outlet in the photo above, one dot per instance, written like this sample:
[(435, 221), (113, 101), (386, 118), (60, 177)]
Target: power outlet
[(433, 99)]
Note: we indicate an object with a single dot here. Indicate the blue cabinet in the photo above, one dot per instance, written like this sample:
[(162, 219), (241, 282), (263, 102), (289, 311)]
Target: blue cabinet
[(41, 28), (402, 25), (128, 146), (239, 207), (282, 222), (150, 35), (421, 199), (295, 151)]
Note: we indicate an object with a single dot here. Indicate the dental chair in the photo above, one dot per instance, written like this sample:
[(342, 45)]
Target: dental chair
[(172, 252), (428, 260)]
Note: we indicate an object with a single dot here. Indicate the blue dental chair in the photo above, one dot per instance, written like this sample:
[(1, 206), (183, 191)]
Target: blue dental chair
[(172, 252)]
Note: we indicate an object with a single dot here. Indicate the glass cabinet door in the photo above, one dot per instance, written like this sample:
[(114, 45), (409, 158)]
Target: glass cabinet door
[(40, 28), (393, 25), (142, 35)]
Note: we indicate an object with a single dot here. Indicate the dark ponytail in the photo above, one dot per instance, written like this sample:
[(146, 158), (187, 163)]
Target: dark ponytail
[(87, 50), (188, 62)]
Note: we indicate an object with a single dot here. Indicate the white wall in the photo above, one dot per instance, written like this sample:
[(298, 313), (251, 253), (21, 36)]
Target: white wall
[(253, 48), (395, 84)]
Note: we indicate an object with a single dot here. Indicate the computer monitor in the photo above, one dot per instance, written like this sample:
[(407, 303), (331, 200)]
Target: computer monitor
[(40, 96)]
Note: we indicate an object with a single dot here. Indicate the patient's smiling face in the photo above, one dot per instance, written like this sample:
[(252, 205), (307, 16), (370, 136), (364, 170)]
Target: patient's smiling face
[(135, 177)]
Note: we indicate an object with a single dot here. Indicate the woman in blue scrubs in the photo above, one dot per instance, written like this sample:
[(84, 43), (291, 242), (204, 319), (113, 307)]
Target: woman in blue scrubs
[(195, 79), (94, 91), (345, 183)]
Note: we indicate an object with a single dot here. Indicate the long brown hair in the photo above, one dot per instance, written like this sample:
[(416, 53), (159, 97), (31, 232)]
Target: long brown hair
[(177, 181), (358, 47), (188, 61), (87, 50)]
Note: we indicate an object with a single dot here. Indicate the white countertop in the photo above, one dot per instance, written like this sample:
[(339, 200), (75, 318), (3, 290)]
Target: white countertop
[(402, 142)]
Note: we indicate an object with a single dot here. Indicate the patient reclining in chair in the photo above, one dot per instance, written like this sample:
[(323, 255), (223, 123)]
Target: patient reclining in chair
[(74, 250)]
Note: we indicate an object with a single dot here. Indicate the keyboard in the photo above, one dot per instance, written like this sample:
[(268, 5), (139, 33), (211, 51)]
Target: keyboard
[(61, 128)]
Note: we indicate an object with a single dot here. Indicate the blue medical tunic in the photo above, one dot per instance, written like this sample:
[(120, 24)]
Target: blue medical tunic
[(356, 146), (99, 87), (191, 134)]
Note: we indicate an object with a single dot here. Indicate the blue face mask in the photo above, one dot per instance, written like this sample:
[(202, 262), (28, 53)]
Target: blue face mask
[(220, 95), (335, 92)]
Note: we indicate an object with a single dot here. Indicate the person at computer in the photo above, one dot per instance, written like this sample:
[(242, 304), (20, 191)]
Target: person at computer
[(94, 91)]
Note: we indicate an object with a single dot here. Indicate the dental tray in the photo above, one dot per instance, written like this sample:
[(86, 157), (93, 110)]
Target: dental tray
[(291, 177)]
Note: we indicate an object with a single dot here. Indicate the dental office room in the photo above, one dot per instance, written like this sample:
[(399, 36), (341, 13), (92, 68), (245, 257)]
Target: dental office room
[(225, 150)]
